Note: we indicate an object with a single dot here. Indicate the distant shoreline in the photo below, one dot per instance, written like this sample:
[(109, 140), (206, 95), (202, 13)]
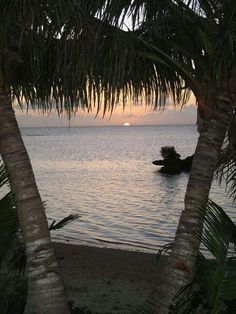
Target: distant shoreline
[(105, 126)]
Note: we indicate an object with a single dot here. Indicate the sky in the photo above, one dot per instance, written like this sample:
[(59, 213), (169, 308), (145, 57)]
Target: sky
[(134, 115)]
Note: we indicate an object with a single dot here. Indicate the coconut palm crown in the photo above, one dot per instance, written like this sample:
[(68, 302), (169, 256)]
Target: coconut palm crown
[(197, 40), (67, 54)]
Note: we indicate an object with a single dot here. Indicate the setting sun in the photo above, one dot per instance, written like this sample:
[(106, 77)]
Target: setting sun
[(126, 124)]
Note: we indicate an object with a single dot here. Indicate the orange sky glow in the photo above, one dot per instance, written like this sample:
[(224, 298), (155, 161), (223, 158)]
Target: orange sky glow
[(134, 115)]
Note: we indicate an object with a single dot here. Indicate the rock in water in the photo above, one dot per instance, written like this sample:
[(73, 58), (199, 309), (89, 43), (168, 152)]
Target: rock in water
[(172, 164)]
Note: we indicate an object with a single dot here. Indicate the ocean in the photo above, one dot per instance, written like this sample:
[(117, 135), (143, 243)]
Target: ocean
[(106, 175)]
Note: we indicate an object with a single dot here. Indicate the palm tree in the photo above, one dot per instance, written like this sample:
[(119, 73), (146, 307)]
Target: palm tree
[(213, 287), (12, 253), (36, 50), (48, 52), (48, 60), (196, 40)]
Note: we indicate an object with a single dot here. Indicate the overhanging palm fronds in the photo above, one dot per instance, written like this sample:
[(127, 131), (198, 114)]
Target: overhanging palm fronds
[(9, 226), (227, 163), (67, 54), (213, 289), (66, 59), (227, 172), (101, 66)]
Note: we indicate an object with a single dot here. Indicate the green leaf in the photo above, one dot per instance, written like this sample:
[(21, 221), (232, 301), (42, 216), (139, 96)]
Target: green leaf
[(63, 222), (214, 284)]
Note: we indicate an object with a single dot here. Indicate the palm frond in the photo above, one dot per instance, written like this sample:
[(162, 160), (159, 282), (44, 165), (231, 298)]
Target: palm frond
[(214, 286), (13, 293), (3, 175), (67, 54), (223, 57), (9, 226), (122, 71), (226, 170), (164, 250), (63, 222), (68, 58), (219, 237)]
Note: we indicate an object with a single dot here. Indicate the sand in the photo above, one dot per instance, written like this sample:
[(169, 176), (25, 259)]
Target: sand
[(104, 280)]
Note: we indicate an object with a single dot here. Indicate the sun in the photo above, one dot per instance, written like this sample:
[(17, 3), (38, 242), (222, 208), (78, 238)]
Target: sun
[(126, 124)]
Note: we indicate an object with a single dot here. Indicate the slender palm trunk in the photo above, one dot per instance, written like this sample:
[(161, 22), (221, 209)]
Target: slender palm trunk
[(45, 289), (181, 264)]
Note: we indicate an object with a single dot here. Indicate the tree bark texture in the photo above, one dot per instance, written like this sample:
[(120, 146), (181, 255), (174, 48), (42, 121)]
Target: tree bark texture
[(45, 289), (181, 264)]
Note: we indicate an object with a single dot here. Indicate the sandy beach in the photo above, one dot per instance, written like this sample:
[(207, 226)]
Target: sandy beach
[(104, 280)]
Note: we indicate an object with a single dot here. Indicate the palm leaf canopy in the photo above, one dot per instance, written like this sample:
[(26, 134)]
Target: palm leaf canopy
[(70, 54), (227, 163), (201, 35), (67, 54)]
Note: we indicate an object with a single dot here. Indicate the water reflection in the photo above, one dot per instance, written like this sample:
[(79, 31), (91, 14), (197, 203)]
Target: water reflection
[(107, 177)]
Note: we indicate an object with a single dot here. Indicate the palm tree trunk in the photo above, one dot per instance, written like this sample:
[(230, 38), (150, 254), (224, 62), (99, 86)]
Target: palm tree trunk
[(181, 264), (45, 289)]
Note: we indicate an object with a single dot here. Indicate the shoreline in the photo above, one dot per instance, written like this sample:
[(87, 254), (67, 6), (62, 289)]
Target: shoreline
[(107, 280)]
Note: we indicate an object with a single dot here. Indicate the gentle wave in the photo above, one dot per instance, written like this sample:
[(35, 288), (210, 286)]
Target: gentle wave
[(105, 174)]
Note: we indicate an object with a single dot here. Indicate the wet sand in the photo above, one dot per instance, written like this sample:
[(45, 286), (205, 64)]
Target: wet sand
[(104, 280)]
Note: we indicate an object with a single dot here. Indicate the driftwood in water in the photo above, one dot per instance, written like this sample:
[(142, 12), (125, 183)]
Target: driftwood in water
[(172, 164)]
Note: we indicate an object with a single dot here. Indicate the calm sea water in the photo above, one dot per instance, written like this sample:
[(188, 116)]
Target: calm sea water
[(106, 175)]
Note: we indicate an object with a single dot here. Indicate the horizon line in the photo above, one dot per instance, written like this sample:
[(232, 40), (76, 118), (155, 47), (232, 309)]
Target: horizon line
[(113, 125)]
